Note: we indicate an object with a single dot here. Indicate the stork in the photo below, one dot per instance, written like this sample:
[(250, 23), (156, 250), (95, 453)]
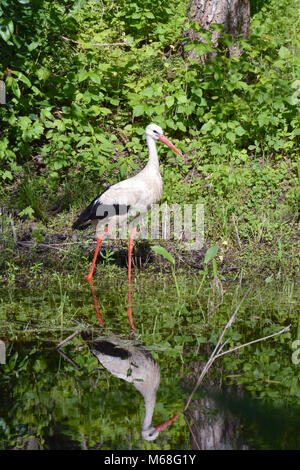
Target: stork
[(126, 199), (135, 365), (130, 362)]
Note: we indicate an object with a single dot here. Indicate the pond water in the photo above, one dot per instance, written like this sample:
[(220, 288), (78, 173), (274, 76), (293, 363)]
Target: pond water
[(248, 400)]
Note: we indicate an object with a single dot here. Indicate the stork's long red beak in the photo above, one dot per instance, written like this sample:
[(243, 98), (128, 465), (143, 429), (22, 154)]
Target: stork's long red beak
[(166, 141), (162, 426)]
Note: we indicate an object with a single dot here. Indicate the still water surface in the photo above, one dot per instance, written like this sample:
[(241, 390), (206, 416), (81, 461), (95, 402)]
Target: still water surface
[(250, 400)]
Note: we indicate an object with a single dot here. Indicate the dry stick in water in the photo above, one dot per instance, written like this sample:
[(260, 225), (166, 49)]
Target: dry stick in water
[(217, 351)]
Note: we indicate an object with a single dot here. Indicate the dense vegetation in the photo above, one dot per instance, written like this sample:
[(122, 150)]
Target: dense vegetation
[(83, 79), (76, 110)]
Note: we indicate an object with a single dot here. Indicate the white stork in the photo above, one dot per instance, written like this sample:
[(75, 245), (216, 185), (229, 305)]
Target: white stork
[(126, 198), (135, 365)]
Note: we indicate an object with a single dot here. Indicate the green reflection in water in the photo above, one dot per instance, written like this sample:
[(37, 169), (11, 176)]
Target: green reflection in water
[(44, 396)]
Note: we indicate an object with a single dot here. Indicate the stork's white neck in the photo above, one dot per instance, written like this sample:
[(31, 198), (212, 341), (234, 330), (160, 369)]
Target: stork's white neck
[(149, 409), (153, 157)]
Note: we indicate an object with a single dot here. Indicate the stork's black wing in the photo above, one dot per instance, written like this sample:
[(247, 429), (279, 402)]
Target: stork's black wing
[(98, 211)]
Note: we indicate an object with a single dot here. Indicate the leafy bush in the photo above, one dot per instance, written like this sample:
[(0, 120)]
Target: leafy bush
[(76, 107)]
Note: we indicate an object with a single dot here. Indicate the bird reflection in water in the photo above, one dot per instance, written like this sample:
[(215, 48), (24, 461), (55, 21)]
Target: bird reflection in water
[(130, 362)]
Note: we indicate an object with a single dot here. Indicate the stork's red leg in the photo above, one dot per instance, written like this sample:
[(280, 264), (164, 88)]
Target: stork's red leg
[(98, 316), (99, 240), (130, 248)]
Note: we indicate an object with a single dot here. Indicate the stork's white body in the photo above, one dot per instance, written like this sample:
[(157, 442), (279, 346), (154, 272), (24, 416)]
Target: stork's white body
[(135, 195), (135, 365), (139, 192)]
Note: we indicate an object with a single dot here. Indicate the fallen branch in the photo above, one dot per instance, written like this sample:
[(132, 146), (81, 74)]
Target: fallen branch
[(217, 351), (54, 246)]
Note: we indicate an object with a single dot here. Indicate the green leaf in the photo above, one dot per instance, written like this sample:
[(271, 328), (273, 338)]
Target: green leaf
[(138, 110), (13, 84), (93, 110), (6, 175), (169, 101), (6, 29), (81, 76), (211, 253), (28, 211), (114, 101), (183, 99), (43, 73), (207, 126), (181, 126), (239, 131), (231, 136), (33, 45), (21, 77), (105, 111), (163, 252), (284, 52), (215, 268), (95, 77)]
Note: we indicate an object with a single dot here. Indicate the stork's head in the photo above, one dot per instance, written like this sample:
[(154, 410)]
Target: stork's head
[(156, 133), (151, 433)]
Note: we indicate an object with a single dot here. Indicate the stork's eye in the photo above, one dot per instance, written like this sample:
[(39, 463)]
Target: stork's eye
[(155, 132)]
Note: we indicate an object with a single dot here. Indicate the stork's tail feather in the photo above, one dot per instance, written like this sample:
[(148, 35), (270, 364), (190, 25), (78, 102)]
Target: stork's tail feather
[(84, 220), (79, 225), (104, 346)]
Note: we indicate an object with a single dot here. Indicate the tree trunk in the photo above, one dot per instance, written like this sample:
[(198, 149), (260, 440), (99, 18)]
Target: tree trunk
[(234, 15), (212, 428), (214, 420)]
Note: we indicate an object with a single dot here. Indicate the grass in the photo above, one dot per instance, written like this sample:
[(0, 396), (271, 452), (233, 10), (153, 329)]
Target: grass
[(251, 200), (37, 312)]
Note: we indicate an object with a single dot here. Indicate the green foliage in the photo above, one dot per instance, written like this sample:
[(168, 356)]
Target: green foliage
[(83, 79), (64, 97), (160, 250), (51, 398), (211, 253), (163, 252)]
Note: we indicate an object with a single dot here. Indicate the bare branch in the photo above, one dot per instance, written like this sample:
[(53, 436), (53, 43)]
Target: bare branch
[(284, 330), (65, 341), (216, 352)]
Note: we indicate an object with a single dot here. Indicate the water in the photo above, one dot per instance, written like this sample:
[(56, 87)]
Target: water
[(250, 398)]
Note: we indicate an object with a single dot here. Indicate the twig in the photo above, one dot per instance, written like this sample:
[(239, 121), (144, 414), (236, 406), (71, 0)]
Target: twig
[(76, 333), (54, 245), (218, 347), (67, 358), (47, 245), (63, 354), (216, 352), (96, 44), (236, 231), (284, 330), (191, 431)]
